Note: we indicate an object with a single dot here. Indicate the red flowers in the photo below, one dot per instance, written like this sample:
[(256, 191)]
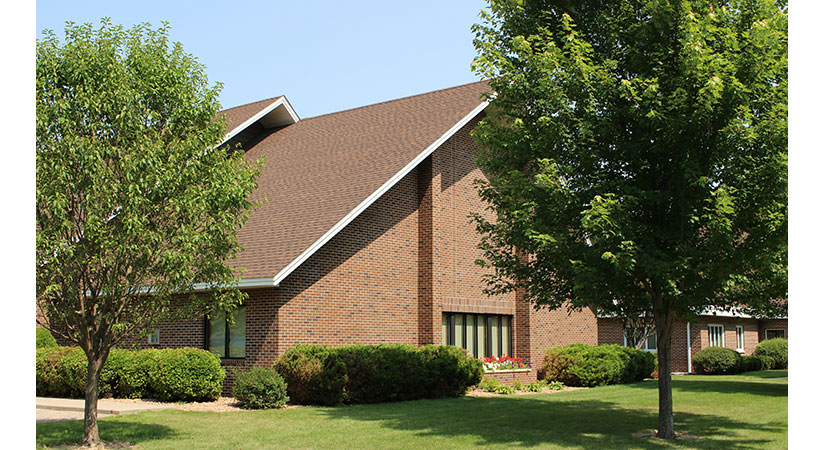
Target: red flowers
[(503, 362)]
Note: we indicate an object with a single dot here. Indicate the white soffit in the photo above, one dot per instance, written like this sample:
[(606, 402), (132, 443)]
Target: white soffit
[(277, 114)]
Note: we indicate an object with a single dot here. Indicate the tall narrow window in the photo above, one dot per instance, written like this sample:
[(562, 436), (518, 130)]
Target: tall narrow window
[(480, 334), (225, 340), (716, 335), (740, 338)]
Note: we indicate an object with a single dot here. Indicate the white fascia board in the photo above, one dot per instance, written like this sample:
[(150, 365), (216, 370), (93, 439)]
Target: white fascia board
[(242, 283), (279, 102), (280, 276)]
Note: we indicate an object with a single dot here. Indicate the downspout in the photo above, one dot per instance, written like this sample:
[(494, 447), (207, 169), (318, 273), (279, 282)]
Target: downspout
[(690, 365)]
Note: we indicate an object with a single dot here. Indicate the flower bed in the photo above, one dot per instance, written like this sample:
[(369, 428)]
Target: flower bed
[(504, 363)]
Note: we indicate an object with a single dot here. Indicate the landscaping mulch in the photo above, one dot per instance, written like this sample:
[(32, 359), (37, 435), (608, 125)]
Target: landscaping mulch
[(481, 393)]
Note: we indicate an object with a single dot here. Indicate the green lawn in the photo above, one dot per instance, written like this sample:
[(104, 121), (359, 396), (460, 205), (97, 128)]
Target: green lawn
[(743, 411)]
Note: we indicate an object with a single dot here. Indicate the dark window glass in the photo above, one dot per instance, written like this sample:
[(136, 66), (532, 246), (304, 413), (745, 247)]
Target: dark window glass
[(225, 340), (479, 334)]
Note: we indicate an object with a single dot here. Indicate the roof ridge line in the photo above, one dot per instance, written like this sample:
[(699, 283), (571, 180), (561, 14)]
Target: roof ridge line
[(392, 100), (249, 103)]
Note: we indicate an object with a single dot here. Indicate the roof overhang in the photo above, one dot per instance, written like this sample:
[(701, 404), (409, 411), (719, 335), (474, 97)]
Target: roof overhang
[(279, 113)]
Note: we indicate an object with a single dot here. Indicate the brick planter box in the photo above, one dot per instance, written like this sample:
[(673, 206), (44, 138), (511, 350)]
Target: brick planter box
[(507, 377)]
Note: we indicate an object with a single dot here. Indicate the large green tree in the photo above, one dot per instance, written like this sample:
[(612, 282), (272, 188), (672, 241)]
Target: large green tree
[(636, 153), (136, 201)]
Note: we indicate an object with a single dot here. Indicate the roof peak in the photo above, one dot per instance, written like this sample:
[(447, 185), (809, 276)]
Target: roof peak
[(394, 100)]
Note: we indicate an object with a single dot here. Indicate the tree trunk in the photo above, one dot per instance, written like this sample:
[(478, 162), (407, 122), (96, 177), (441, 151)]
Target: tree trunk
[(91, 437), (664, 317)]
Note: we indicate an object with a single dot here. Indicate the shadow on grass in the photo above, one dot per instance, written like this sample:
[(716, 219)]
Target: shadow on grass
[(722, 385), (111, 430), (766, 374), (524, 421)]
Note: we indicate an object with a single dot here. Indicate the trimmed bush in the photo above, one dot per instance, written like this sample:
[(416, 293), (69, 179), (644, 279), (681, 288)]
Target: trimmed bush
[(322, 375), (183, 374), (260, 388), (777, 349), (717, 361), (756, 362), (585, 365), (44, 339)]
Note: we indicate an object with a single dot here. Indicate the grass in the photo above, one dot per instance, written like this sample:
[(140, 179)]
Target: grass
[(738, 411)]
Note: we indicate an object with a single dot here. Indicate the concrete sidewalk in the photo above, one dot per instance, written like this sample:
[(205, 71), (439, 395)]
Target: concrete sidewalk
[(104, 406)]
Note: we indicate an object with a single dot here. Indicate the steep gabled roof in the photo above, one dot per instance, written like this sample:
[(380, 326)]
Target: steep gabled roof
[(322, 172)]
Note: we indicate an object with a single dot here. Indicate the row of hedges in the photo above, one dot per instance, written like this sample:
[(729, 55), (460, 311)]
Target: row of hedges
[(770, 354), (180, 374), (585, 365), (323, 375)]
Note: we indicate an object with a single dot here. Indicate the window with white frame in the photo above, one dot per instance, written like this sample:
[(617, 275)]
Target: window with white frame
[(716, 335), (648, 345), (740, 338)]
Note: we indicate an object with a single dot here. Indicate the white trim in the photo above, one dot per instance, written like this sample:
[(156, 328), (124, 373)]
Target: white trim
[(774, 329), (740, 348), (242, 283), (710, 341), (374, 196), (280, 101), (690, 362)]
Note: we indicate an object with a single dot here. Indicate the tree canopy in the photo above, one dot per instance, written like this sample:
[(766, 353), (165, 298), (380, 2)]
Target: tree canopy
[(136, 200), (636, 153)]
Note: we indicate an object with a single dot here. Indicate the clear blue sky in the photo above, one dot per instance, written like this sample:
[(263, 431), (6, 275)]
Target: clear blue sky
[(325, 56)]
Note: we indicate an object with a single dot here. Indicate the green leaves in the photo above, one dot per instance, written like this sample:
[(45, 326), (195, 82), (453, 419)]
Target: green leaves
[(133, 193), (635, 149)]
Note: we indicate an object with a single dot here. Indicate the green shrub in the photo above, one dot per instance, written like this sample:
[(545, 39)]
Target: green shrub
[(517, 385), (777, 349), (584, 365), (170, 374), (751, 363), (489, 384), (717, 361), (260, 388), (44, 339), (503, 389), (186, 374), (536, 387), (450, 372), (555, 385), (321, 375)]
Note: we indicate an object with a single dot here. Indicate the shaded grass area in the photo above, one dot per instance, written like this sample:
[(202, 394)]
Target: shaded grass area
[(739, 412)]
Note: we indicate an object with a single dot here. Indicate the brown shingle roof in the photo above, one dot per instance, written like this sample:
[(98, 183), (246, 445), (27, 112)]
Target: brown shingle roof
[(320, 169)]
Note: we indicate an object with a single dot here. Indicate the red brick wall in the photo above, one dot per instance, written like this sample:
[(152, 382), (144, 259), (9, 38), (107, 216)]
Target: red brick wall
[(772, 324), (389, 275), (610, 332)]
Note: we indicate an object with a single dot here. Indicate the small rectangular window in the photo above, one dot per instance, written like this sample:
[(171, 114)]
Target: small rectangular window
[(740, 338), (225, 340), (716, 335), (648, 345)]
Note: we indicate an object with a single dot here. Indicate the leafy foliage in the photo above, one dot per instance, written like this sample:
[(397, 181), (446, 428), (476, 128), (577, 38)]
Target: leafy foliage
[(183, 374), (636, 157), (584, 365), (134, 194), (318, 374), (717, 361), (136, 199), (756, 362), (776, 349), (44, 338), (260, 388)]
